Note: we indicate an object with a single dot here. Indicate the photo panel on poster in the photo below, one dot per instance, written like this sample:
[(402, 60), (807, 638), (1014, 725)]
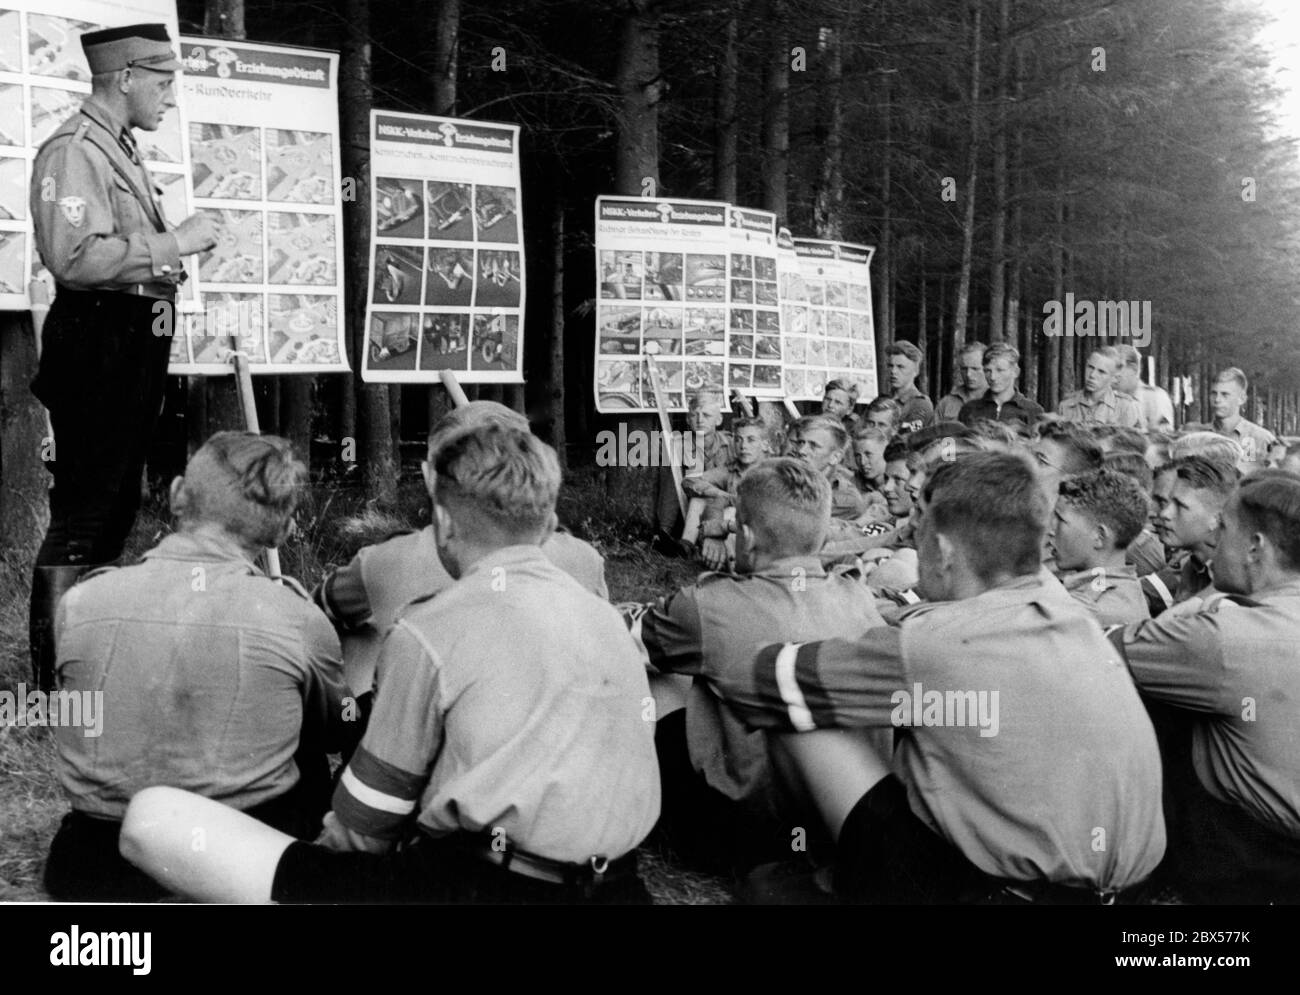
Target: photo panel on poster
[(446, 191), (263, 140)]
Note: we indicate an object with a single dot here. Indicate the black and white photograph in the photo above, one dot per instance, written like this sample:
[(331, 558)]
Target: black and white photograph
[(398, 272), (886, 495), (449, 277)]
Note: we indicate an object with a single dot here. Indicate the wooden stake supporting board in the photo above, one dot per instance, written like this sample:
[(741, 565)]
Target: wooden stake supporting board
[(248, 405)]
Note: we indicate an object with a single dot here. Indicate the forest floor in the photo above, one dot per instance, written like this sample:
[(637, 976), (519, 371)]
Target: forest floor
[(330, 530)]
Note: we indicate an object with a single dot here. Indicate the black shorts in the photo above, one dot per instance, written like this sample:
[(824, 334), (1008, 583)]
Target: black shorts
[(428, 871), (885, 855)]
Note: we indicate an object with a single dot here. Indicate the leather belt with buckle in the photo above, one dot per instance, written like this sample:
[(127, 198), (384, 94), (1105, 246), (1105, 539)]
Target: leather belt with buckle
[(596, 871)]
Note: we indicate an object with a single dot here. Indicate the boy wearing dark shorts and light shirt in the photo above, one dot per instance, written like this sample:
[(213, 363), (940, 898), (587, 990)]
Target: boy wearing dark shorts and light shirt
[(510, 754), (995, 792), (719, 806), (215, 679)]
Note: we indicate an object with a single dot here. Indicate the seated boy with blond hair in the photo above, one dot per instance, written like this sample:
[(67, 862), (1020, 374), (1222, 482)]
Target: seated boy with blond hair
[(718, 801), (1096, 516)]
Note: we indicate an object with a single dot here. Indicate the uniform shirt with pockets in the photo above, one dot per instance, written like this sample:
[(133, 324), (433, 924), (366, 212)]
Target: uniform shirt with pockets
[(1107, 408), (513, 702), (1026, 791), (209, 670), (1233, 664), (711, 630), (98, 222)]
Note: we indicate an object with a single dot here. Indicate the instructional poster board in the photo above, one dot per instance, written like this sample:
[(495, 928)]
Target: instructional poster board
[(447, 259), (262, 132), (662, 273), (43, 79), (754, 347), (829, 330)]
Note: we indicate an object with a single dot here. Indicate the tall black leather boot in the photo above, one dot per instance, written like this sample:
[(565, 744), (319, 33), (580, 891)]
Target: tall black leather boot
[(49, 584)]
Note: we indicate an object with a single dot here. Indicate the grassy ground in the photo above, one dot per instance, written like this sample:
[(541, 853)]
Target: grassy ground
[(331, 528)]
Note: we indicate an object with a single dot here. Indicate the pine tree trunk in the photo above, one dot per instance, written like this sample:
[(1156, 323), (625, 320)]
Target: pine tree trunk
[(375, 440), (828, 205), (638, 82), (997, 262), (726, 125), (972, 162), (558, 436), (776, 113)]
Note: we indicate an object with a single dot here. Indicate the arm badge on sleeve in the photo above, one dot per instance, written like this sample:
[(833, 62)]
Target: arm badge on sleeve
[(74, 210)]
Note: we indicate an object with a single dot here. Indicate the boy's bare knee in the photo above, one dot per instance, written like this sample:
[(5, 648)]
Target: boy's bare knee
[(146, 814)]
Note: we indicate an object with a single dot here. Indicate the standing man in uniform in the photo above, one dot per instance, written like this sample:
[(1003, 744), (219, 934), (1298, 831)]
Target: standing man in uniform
[(905, 361), (1157, 408), (1098, 403), (1001, 402), (970, 383), (101, 233), (1227, 398)]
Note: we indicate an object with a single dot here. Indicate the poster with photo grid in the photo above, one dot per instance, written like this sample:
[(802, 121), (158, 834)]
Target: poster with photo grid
[(43, 79), (827, 318), (447, 258), (263, 136), (662, 291)]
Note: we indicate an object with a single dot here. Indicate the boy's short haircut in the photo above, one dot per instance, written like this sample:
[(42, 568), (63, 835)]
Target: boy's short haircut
[(705, 396), (741, 423), (1003, 433), (833, 426), (990, 504), (1083, 451), (904, 348), (1132, 465), (972, 346), (1121, 438), (1211, 445), (1000, 350), (1205, 474), (1110, 352), (500, 478), (1234, 374), (788, 505), (248, 484), (469, 415), (888, 405), (1109, 498), (870, 433), (1270, 503), (846, 386), (1129, 356), (897, 450)]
